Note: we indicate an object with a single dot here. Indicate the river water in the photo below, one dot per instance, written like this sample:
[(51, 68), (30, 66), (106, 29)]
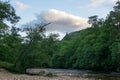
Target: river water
[(102, 76), (90, 75)]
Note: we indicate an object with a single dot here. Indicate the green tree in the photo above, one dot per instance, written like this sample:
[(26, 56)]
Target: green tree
[(7, 13), (37, 49)]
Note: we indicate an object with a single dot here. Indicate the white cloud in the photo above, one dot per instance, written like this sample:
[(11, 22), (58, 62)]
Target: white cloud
[(21, 6), (61, 21)]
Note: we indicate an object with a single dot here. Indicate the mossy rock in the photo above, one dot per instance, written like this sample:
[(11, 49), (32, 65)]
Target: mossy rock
[(42, 73), (49, 75)]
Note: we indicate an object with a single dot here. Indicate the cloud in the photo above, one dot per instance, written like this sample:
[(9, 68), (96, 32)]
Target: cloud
[(61, 22), (21, 6)]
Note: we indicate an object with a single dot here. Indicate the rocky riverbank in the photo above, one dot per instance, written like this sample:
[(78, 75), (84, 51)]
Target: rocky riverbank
[(5, 75)]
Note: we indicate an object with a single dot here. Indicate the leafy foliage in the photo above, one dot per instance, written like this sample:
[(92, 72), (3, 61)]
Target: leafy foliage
[(96, 48)]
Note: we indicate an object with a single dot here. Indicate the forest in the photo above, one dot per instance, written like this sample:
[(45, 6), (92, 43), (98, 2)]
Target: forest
[(93, 48)]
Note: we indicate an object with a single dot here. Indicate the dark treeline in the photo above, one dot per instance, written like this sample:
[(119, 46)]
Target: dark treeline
[(94, 48)]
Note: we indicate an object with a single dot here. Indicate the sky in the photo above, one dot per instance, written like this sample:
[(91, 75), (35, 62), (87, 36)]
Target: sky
[(65, 16)]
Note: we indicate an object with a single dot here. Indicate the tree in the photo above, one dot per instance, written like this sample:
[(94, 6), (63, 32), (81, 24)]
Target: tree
[(14, 41), (7, 13), (33, 53), (115, 54), (95, 21), (117, 14)]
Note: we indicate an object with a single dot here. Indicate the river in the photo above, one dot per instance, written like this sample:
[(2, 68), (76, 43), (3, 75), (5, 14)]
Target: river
[(85, 74)]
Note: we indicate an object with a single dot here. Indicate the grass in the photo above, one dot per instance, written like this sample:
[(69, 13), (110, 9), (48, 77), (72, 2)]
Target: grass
[(5, 65)]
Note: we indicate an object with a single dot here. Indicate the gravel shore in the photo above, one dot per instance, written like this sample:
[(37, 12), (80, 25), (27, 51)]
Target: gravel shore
[(5, 75)]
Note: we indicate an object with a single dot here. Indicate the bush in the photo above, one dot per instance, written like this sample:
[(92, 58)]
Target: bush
[(6, 65)]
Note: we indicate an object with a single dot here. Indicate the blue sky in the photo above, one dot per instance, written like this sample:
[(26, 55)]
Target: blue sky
[(66, 15)]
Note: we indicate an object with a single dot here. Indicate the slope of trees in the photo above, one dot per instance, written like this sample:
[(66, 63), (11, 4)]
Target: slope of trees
[(96, 48)]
